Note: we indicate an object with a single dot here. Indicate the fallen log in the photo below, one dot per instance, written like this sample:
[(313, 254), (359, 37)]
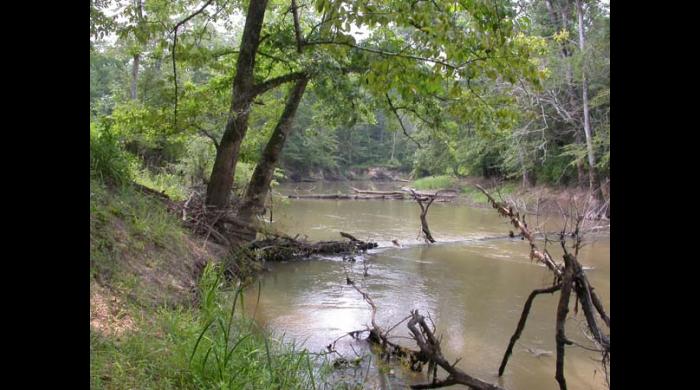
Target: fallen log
[(444, 193), (359, 191), (285, 248), (345, 196), (405, 193)]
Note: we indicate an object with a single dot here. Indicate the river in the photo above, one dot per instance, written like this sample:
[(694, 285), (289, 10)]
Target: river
[(472, 286)]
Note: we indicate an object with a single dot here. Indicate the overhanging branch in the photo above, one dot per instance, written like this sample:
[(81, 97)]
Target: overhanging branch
[(274, 82), (393, 109), (174, 31)]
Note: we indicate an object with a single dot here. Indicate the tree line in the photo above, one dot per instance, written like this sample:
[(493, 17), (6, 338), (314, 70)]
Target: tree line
[(206, 90)]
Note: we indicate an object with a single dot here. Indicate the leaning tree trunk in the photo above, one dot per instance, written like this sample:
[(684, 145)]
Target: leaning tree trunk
[(257, 191), (221, 181), (593, 176)]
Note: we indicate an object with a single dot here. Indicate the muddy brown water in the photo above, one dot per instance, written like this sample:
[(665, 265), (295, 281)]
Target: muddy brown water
[(473, 287)]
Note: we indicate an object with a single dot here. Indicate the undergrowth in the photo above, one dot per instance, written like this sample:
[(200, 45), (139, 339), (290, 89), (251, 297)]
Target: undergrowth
[(215, 346), (435, 182), (210, 345)]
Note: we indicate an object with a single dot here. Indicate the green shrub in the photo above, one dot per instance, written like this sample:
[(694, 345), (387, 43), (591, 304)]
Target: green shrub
[(162, 181), (198, 160), (108, 161)]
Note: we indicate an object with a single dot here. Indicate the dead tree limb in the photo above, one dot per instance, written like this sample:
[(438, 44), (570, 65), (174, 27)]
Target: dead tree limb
[(562, 311), (570, 276), (284, 248), (583, 293), (429, 351), (521, 323), (515, 219), (347, 196), (349, 236), (599, 306), (430, 346), (369, 192), (424, 212)]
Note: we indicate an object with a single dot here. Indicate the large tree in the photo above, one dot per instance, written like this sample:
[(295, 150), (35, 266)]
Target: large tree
[(245, 90)]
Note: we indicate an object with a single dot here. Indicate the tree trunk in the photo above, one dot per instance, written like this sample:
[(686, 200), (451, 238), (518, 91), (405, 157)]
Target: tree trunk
[(581, 177), (527, 175), (393, 147), (135, 75), (254, 201), (562, 13), (221, 181), (562, 311), (594, 183), (527, 179), (137, 57)]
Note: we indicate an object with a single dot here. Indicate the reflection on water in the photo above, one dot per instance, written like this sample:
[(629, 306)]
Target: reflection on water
[(474, 290)]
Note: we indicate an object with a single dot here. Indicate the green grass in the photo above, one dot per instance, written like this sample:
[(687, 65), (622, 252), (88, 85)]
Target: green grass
[(435, 182), (124, 224), (108, 161), (176, 346), (478, 197), (214, 347), (172, 185)]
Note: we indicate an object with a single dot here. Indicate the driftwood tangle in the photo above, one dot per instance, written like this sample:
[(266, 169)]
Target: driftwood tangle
[(284, 248), (429, 351), (569, 278)]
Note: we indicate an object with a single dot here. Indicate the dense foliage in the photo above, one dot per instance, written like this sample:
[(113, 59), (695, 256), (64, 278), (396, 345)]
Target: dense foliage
[(514, 111)]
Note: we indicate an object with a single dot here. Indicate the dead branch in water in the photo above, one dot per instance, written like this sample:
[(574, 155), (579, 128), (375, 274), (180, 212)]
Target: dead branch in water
[(568, 277), (429, 349), (521, 323), (429, 199), (430, 346), (515, 218), (284, 248), (359, 191)]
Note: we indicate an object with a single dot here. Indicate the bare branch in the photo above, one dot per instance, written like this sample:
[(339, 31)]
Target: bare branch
[(274, 82), (174, 31), (393, 109), (542, 256), (297, 28), (521, 324), (391, 54)]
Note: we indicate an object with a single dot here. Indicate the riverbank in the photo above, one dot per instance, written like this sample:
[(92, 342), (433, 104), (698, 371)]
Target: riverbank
[(542, 199), (160, 316)]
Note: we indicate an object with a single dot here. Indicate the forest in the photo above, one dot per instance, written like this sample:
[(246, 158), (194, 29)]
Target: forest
[(245, 152)]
